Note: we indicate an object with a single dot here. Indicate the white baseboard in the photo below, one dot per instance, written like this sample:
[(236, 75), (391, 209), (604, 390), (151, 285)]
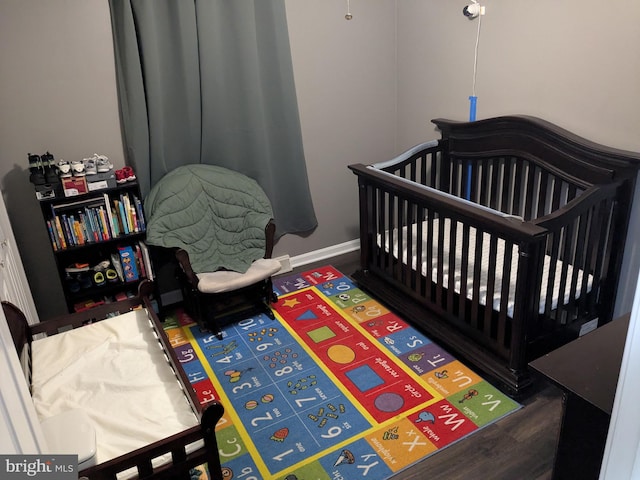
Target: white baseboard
[(324, 253)]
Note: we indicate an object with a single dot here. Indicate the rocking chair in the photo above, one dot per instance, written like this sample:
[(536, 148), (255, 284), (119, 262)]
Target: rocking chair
[(219, 225)]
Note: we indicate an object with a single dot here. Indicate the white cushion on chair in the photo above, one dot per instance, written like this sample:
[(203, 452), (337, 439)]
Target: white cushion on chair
[(226, 281)]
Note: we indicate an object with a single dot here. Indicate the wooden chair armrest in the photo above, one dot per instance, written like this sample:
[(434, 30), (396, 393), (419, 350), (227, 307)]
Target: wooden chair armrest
[(185, 264), (269, 233)]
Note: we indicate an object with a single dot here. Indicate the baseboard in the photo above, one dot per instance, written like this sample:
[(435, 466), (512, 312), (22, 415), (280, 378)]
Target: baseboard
[(324, 253)]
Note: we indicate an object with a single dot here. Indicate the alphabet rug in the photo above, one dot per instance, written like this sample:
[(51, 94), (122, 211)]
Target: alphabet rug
[(335, 387)]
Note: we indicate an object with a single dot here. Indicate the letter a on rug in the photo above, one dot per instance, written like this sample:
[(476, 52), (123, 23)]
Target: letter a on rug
[(336, 387)]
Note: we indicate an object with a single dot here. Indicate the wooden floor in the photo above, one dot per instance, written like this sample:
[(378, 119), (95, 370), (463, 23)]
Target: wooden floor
[(521, 446)]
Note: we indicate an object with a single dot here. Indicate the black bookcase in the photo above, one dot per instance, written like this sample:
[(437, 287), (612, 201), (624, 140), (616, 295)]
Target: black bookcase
[(88, 229)]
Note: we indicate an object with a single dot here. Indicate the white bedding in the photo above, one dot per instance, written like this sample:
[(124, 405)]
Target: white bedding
[(484, 264), (117, 372)]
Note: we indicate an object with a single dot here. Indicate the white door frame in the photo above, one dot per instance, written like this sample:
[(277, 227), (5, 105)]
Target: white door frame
[(20, 430)]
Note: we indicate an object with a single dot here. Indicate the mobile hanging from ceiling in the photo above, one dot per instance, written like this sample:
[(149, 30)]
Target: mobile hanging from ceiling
[(472, 11)]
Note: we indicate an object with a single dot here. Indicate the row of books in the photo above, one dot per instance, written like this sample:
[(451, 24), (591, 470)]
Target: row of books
[(97, 219)]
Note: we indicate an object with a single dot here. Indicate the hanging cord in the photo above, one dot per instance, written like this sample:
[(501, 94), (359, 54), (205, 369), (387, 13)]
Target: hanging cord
[(348, 16), (475, 56), (473, 99)]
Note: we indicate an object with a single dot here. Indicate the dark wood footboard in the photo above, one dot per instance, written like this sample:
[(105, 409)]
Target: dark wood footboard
[(182, 462)]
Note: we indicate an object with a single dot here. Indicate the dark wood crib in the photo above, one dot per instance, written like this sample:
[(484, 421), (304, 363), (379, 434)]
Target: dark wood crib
[(502, 240)]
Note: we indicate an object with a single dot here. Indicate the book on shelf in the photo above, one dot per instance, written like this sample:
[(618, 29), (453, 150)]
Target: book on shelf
[(146, 259), (123, 217), (140, 261), (127, 212), (107, 210), (128, 261), (53, 236), (139, 213), (96, 219), (60, 232)]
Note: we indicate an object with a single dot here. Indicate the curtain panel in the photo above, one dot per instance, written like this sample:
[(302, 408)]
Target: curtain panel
[(211, 81)]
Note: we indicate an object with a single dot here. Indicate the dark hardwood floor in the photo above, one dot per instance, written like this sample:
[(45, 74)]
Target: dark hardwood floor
[(520, 446)]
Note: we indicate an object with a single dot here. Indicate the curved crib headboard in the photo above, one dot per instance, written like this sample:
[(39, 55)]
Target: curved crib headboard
[(542, 142)]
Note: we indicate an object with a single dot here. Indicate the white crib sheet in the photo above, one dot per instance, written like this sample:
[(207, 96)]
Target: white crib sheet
[(118, 373), (484, 265)]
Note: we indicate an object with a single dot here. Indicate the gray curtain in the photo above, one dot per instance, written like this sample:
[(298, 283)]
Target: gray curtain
[(211, 81)]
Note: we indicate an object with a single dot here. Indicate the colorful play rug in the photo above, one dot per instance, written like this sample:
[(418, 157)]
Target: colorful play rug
[(337, 387)]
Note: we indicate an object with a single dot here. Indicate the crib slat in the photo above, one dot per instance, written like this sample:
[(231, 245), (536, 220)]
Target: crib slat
[(602, 215), (590, 237), (459, 172), (542, 194), (557, 195), (565, 254), (494, 195), (490, 287), (440, 261), (464, 271), (400, 233), (517, 190), (578, 263), (420, 241), (507, 185), (409, 223), (453, 255), (530, 195), (502, 335), (145, 468), (384, 229), (475, 296), (429, 254), (434, 172), (554, 239), (483, 192), (589, 249), (382, 260)]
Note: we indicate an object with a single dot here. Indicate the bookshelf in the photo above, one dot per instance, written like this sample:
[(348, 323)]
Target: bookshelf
[(98, 242)]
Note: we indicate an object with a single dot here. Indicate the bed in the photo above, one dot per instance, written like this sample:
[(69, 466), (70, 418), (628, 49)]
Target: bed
[(121, 373), (502, 240)]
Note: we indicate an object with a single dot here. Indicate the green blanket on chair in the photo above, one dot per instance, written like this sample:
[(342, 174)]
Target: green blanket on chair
[(217, 215)]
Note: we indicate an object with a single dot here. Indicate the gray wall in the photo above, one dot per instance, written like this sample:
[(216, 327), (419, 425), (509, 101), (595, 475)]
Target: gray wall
[(574, 63), (57, 93), (367, 88)]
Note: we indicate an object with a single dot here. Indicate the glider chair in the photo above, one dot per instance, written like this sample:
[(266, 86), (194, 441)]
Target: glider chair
[(219, 225)]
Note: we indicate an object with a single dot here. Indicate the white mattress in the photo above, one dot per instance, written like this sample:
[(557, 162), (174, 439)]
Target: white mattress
[(118, 373), (484, 265)]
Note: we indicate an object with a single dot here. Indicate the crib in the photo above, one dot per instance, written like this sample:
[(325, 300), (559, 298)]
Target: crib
[(502, 240), (68, 348)]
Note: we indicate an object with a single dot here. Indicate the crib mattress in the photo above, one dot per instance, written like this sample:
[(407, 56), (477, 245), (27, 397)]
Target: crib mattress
[(401, 251), (117, 372)]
